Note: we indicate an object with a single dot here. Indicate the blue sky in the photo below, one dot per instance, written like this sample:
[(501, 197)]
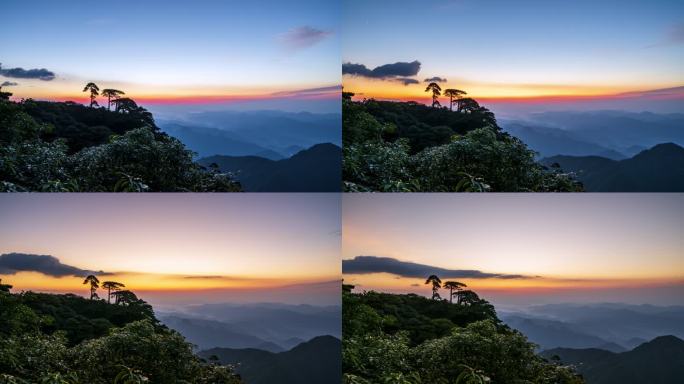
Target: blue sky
[(519, 48), (177, 48)]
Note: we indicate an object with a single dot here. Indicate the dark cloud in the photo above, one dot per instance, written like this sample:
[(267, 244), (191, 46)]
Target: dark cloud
[(435, 79), (415, 285), (374, 264), (303, 37), (11, 263), (398, 69), (21, 73), (9, 84), (407, 80)]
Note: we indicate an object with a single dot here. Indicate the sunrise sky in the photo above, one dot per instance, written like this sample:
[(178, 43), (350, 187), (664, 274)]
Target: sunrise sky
[(212, 247), (167, 51), (502, 51), (519, 248)]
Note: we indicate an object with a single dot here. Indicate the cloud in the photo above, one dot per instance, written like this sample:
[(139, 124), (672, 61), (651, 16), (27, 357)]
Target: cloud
[(302, 37), (407, 80), (320, 91), (398, 69), (12, 263), (21, 73), (375, 264), (435, 79), (9, 84), (675, 34)]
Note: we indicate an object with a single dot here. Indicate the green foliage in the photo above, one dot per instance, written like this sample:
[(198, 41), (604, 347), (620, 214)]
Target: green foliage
[(437, 150), (67, 147), (415, 340), (66, 339)]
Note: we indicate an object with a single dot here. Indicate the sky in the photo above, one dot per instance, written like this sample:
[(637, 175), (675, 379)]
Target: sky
[(501, 51), (190, 248), (520, 249), (171, 52)]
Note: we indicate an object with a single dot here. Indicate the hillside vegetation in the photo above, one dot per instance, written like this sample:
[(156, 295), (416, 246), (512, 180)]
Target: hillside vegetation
[(69, 147), (410, 339), (407, 146), (68, 339)]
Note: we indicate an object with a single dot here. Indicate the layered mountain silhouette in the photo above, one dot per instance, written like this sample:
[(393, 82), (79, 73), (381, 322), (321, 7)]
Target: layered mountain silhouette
[(211, 141), (614, 327), (317, 169), (659, 169), (271, 327), (317, 361), (658, 361)]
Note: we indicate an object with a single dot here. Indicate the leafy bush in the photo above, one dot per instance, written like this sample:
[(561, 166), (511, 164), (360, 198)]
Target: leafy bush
[(410, 339), (409, 147), (70, 150)]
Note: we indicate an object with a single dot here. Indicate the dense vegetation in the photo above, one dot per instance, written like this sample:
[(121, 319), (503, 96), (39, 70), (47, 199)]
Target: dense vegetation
[(60, 147), (67, 339), (404, 147), (410, 339)]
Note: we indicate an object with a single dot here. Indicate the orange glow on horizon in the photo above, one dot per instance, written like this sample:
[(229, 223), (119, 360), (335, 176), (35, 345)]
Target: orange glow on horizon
[(385, 282), (147, 282), (499, 93)]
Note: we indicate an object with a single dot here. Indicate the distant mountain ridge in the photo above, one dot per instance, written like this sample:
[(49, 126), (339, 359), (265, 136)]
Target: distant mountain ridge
[(612, 134), (659, 361), (659, 169), (272, 327), (271, 134), (317, 361), (316, 169), (611, 326)]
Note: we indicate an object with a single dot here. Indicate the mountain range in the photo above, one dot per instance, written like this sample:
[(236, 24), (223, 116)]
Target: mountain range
[(317, 361), (659, 361), (658, 169), (267, 326), (615, 135), (610, 326), (316, 169), (270, 134)]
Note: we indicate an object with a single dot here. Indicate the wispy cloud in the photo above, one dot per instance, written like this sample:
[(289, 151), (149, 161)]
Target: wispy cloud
[(9, 84), (302, 37)]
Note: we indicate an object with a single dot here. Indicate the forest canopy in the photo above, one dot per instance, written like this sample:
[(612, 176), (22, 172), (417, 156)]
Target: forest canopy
[(68, 339), (410, 339), (69, 147), (411, 147)]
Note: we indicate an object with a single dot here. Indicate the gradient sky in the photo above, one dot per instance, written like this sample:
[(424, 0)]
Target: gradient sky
[(174, 51), (502, 50), (570, 247), (216, 245)]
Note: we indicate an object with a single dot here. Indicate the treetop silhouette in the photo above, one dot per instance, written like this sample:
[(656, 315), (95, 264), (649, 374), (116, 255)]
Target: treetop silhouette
[(94, 92)]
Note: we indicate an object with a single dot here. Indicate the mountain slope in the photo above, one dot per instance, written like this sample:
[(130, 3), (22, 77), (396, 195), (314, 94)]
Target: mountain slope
[(659, 361), (549, 141), (211, 141), (659, 169), (551, 334), (208, 334), (315, 361), (317, 169)]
